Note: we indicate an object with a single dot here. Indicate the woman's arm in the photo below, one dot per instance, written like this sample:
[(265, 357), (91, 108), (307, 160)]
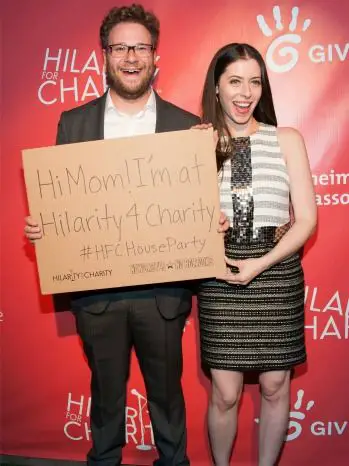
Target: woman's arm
[(302, 197), (304, 207)]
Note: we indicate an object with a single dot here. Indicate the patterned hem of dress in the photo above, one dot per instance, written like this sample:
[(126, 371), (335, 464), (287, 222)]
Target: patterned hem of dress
[(253, 368)]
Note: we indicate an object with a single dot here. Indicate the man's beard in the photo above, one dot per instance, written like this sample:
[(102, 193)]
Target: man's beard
[(126, 92)]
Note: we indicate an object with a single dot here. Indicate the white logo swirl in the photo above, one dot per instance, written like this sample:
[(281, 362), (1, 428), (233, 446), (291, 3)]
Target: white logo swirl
[(294, 426), (288, 38), (296, 416)]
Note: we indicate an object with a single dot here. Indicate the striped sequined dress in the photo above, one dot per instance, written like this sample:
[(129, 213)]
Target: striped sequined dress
[(259, 326)]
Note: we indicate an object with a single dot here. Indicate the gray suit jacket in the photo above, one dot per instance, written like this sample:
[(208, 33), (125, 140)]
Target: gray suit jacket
[(86, 123)]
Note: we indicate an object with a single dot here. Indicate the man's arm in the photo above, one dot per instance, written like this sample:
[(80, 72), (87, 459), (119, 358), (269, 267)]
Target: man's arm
[(32, 230)]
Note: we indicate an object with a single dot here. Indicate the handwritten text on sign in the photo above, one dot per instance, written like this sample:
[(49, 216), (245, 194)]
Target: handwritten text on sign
[(125, 211)]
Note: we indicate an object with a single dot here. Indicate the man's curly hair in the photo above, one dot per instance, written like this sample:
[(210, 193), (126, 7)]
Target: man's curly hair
[(129, 14)]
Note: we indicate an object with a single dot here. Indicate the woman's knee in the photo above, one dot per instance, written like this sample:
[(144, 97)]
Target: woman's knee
[(275, 385), (226, 395)]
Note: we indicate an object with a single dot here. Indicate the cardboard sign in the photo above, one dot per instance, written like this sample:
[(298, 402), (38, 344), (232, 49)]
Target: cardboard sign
[(124, 212)]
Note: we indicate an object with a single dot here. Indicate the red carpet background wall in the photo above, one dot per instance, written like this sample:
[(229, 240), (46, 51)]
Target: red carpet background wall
[(52, 62)]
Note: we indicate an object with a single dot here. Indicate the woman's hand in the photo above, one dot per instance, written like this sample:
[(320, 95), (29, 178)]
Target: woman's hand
[(208, 126), (246, 271)]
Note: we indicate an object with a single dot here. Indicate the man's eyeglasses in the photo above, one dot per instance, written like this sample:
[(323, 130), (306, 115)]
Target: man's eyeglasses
[(121, 50)]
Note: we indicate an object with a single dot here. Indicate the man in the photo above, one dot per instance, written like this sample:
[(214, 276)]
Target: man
[(149, 318)]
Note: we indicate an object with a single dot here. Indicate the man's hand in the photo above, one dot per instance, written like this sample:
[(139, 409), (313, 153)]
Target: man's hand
[(32, 230)]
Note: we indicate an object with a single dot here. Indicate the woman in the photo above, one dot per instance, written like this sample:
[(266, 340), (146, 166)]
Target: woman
[(252, 319)]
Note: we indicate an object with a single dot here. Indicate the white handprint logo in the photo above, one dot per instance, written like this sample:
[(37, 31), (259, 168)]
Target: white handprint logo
[(294, 426), (291, 37)]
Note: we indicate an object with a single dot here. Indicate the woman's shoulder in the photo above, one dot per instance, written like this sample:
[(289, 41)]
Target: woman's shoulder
[(289, 134), (291, 142), (283, 131)]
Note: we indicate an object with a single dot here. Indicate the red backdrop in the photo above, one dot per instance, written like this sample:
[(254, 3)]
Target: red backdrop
[(52, 62)]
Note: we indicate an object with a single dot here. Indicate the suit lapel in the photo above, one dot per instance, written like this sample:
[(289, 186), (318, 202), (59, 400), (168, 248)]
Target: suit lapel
[(95, 120), (161, 115)]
